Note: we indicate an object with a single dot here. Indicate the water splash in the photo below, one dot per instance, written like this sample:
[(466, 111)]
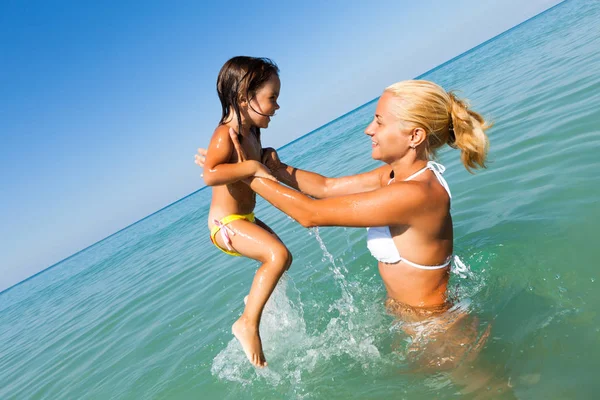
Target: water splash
[(355, 330)]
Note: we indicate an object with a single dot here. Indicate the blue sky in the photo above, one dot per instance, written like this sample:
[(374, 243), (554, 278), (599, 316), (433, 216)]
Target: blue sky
[(103, 104)]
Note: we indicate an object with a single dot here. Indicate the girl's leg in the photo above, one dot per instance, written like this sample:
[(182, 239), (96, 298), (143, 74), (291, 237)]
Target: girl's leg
[(268, 229), (254, 242)]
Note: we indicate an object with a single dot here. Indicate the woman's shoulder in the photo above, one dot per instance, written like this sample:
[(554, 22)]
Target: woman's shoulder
[(417, 190), (428, 192), (418, 195)]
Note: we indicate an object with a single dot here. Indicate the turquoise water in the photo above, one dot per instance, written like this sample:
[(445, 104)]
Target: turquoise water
[(147, 312)]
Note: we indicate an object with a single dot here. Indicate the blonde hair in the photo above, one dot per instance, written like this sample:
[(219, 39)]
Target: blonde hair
[(445, 118)]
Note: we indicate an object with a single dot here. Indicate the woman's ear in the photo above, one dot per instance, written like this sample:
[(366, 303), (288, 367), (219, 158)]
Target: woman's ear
[(417, 137)]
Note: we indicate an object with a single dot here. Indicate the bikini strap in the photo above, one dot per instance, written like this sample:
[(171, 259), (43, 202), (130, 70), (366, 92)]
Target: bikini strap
[(419, 172), (428, 267), (438, 169)]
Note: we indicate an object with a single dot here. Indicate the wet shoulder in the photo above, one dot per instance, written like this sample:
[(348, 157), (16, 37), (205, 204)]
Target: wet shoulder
[(420, 195)]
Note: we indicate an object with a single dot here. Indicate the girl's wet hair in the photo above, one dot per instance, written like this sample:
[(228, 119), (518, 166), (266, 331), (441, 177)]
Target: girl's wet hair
[(240, 78)]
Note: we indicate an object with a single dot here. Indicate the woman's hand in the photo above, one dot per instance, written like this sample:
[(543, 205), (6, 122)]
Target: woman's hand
[(200, 158), (260, 170), (270, 159)]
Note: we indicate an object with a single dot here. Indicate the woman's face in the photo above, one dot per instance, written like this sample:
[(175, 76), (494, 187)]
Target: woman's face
[(390, 137), (264, 103)]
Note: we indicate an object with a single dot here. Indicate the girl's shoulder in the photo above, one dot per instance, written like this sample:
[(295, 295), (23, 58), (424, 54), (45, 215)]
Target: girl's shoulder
[(221, 135), (221, 129)]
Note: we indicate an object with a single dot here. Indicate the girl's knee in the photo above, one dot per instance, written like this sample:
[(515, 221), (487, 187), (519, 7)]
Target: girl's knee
[(282, 256)]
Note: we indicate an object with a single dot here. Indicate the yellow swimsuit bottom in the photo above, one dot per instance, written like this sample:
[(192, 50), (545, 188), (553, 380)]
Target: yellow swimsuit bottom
[(221, 225)]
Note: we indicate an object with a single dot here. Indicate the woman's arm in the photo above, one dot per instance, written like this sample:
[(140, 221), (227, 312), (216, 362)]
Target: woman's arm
[(321, 187), (217, 169), (307, 182), (391, 205), (317, 185)]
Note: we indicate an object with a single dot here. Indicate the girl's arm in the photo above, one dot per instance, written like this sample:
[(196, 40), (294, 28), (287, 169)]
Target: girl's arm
[(390, 205), (217, 169)]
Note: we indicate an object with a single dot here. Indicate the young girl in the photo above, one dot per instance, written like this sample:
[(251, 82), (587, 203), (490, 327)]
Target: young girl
[(248, 89)]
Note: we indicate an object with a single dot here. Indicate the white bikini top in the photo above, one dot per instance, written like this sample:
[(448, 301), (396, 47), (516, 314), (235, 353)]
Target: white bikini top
[(382, 246)]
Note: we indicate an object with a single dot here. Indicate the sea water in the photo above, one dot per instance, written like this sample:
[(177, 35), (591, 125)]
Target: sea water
[(147, 312)]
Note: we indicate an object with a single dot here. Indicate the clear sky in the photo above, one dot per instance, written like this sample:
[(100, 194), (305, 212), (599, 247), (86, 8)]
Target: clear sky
[(103, 104)]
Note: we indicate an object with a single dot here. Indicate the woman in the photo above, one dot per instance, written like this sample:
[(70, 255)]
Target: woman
[(405, 206)]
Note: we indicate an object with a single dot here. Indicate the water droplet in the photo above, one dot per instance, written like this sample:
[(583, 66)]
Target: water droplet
[(593, 280)]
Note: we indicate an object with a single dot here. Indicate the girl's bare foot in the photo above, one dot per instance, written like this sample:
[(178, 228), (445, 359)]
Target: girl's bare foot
[(247, 335)]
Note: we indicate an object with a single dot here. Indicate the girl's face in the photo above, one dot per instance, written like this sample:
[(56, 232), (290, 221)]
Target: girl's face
[(264, 103), (390, 138)]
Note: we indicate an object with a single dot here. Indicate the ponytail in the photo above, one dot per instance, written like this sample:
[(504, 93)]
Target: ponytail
[(467, 133)]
